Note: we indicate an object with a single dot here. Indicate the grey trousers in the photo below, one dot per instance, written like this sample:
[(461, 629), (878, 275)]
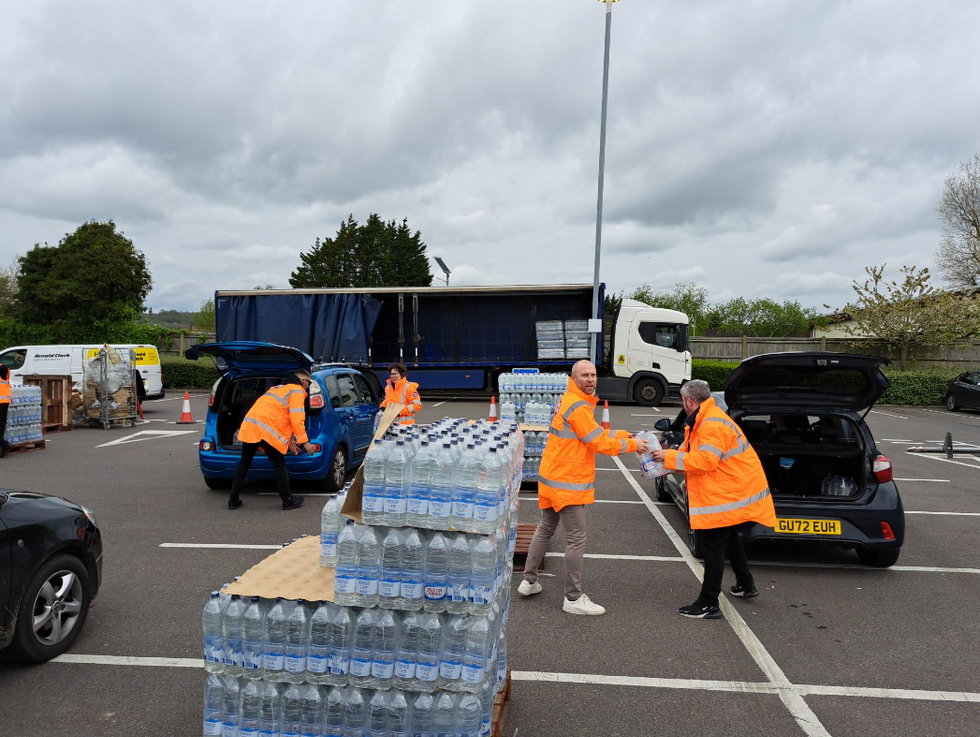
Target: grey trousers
[(572, 520)]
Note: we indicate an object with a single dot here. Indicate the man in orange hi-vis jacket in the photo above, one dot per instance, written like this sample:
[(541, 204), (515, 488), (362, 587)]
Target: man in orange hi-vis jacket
[(566, 483), (726, 489), (275, 418), (399, 390)]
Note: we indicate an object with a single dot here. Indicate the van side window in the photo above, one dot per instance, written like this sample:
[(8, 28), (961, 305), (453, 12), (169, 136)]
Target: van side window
[(13, 359), (658, 334), (348, 392), (363, 390)]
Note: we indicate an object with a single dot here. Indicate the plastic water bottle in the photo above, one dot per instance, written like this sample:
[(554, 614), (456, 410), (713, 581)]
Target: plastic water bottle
[(297, 643), (397, 485), (418, 498), (231, 629), (649, 468), (214, 708), (368, 568), (377, 716), (312, 710), (385, 647), (412, 571), (469, 715), (355, 713), (488, 693), (436, 573), (251, 709), (397, 715), (253, 640), (430, 636), (214, 642), (464, 491), (406, 657), (441, 492), (231, 703), (487, 500), (292, 711), (345, 579), (275, 641), (483, 575), (341, 646), (373, 492), (270, 714), (478, 647), (333, 713), (502, 655), (444, 715), (362, 655), (421, 712), (459, 575), (318, 658), (453, 648), (500, 545), (331, 523), (390, 588)]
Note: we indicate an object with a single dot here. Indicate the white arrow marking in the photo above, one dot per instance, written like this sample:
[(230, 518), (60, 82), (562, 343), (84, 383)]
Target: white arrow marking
[(146, 435)]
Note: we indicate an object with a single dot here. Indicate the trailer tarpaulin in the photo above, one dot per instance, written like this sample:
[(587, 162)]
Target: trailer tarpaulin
[(330, 327)]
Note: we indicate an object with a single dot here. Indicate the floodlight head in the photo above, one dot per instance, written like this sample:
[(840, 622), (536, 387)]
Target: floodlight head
[(442, 265)]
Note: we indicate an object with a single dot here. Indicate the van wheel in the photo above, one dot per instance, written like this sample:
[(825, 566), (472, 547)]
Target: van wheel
[(213, 482), (648, 393), (878, 558), (334, 480)]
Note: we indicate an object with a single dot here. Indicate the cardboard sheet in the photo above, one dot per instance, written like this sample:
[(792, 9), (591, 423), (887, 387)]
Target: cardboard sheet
[(293, 572), (352, 503)]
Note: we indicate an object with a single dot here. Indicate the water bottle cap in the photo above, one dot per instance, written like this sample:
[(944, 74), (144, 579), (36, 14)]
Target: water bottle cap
[(215, 594), (301, 601), (278, 599), (401, 442)]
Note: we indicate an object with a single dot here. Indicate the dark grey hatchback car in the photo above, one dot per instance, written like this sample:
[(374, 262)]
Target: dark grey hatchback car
[(50, 571), (803, 413)]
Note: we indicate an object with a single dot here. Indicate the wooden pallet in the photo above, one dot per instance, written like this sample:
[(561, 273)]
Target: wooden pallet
[(55, 427), (500, 705), (55, 399), (522, 546), (26, 447)]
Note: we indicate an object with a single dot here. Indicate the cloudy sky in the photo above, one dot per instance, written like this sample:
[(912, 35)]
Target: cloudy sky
[(760, 147)]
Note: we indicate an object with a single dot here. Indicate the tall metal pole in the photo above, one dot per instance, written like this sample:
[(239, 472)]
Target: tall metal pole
[(602, 168)]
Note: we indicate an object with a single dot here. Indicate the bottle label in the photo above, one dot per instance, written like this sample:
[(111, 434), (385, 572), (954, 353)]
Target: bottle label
[(418, 506), (252, 657), (212, 726), (317, 663), (288, 732), (274, 661), (328, 544), (405, 669), (233, 653), (484, 513), (249, 728), (440, 509), (472, 674), (412, 590), (427, 672), (435, 591), (367, 586), (339, 665), (360, 667), (372, 504), (229, 729), (396, 505), (344, 584), (382, 669), (214, 651), (390, 589), (463, 510), (459, 592), (481, 594), (450, 670), (295, 663)]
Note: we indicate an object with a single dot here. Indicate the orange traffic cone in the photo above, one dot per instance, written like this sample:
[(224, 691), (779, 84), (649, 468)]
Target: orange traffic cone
[(605, 424), (185, 411), (493, 409)]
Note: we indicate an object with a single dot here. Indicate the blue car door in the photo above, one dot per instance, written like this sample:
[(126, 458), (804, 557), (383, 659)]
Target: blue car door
[(367, 409)]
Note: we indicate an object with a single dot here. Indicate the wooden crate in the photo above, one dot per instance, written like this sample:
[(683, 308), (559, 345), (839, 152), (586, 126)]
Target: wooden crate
[(55, 397), (522, 545), (499, 714)]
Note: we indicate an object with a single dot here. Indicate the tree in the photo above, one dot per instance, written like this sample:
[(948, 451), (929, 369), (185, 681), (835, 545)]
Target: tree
[(204, 318), (910, 312), (763, 317), (691, 299), (958, 256), (91, 279), (8, 289), (375, 254)]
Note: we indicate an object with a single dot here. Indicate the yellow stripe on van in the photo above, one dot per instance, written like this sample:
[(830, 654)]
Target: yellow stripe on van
[(145, 356)]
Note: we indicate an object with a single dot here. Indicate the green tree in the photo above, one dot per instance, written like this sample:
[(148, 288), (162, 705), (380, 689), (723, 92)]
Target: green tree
[(375, 254), (8, 289), (204, 317), (762, 317), (691, 299), (958, 256), (92, 279), (909, 312)]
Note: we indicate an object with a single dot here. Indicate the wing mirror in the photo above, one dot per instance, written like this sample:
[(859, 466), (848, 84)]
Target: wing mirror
[(662, 424)]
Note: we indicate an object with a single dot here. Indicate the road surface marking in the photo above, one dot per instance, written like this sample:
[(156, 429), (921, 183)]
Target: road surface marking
[(805, 718), (656, 410), (439, 404), (142, 435), (897, 440), (888, 414), (618, 501), (926, 481), (944, 460), (129, 660), (951, 514), (174, 399), (604, 556), (869, 569), (221, 546)]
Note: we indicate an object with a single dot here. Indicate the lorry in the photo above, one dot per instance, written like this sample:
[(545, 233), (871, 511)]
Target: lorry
[(462, 338)]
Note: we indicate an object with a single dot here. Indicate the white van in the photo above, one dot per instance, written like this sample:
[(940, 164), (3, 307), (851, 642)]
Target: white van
[(64, 360)]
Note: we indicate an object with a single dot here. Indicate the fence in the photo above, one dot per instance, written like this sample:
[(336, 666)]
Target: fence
[(965, 354)]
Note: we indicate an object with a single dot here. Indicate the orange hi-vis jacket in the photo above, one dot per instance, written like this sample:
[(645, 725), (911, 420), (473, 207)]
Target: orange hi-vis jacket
[(4, 386), (275, 416), (567, 474), (725, 481), (405, 393)]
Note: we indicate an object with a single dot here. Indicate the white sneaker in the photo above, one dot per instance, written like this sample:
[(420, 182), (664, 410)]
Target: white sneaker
[(529, 589), (583, 605)]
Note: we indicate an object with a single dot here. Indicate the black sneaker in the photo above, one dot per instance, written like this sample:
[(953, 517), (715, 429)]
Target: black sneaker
[(745, 592), (293, 502), (235, 503), (700, 611)]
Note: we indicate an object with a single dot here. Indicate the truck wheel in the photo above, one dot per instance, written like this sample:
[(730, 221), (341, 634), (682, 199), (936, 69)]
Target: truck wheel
[(878, 558), (334, 480), (648, 393), (213, 482)]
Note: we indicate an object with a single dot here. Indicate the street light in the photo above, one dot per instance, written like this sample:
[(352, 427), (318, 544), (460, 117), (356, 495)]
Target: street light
[(602, 167), (445, 269)]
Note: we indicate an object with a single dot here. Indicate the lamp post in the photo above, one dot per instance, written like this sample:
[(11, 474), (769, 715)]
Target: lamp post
[(445, 269), (593, 353)]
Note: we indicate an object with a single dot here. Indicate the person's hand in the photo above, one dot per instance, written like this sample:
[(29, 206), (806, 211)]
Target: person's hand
[(293, 447), (308, 447), (641, 445), (658, 455)]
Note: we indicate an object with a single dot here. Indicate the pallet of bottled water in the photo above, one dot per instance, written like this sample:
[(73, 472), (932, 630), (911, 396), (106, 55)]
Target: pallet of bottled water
[(550, 336), (577, 339), (24, 415), (542, 391)]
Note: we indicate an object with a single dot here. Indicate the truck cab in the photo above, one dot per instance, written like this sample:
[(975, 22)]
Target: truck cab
[(650, 354)]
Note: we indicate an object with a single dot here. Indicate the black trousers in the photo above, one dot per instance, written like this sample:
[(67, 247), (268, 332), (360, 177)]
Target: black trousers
[(3, 424), (278, 463), (716, 544)]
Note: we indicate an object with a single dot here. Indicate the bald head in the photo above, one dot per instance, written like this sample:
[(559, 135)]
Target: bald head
[(583, 374)]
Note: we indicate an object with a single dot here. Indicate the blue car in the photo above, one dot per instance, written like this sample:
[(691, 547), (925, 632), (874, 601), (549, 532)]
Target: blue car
[(340, 413)]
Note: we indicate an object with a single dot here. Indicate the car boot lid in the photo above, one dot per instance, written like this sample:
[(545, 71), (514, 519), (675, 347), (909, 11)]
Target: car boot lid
[(247, 356), (807, 381)]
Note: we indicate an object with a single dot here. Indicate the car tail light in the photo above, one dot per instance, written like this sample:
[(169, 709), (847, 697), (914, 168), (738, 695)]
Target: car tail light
[(882, 468), (316, 401), (206, 445), (316, 447), (886, 531)]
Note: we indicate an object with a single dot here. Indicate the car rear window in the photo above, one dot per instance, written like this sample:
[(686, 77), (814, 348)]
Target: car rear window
[(841, 382)]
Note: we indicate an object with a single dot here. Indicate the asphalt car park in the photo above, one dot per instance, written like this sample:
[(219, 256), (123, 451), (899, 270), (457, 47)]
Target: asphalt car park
[(830, 647)]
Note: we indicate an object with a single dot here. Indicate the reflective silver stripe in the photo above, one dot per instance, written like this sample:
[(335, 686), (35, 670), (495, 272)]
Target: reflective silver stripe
[(707, 447), (592, 435), (566, 485), (680, 460), (625, 446), (404, 389), (265, 427), (282, 400), (296, 411), (567, 434), (575, 406), (611, 433), (724, 421), (731, 505), (736, 451)]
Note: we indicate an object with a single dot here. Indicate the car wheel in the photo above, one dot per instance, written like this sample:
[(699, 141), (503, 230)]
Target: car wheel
[(53, 609), (663, 493), (951, 404), (648, 392), (334, 480), (213, 482), (694, 541), (878, 558)]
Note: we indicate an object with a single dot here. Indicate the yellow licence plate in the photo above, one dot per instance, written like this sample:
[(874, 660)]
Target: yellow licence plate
[(808, 526)]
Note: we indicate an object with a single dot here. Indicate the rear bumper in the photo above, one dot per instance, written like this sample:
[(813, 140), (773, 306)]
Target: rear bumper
[(223, 465), (162, 393)]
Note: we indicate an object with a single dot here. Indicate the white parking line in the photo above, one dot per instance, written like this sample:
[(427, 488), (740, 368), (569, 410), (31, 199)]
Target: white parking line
[(932, 457), (638, 415), (221, 546), (887, 414), (439, 404), (605, 556), (925, 481), (868, 569), (129, 660), (951, 514), (805, 718)]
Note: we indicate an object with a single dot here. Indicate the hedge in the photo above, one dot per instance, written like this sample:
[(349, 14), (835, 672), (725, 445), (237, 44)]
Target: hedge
[(910, 387), (179, 373)]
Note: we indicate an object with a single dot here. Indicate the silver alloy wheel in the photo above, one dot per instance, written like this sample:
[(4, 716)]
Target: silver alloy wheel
[(57, 607), (339, 467)]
